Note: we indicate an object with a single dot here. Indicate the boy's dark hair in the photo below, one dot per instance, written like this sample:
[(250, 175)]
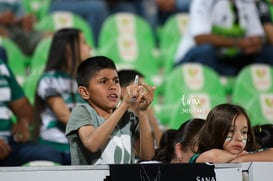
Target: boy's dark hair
[(89, 67), (126, 76)]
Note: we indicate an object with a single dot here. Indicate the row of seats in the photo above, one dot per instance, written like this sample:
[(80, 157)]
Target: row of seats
[(125, 37), (192, 89), (188, 91)]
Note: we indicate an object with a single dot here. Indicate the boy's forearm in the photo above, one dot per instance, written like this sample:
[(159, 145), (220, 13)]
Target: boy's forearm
[(100, 136), (155, 129)]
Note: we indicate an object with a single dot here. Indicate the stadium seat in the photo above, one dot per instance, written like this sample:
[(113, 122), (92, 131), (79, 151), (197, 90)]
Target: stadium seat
[(173, 30), (16, 59), (37, 7), (61, 19), (190, 90), (125, 23), (171, 33), (253, 90), (30, 83), (40, 54), (129, 52)]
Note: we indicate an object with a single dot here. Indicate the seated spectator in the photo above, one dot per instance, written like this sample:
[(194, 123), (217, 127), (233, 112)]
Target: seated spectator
[(174, 144), (266, 18), (16, 148), (56, 92), (126, 78), (227, 136), (220, 36), (18, 26), (101, 131)]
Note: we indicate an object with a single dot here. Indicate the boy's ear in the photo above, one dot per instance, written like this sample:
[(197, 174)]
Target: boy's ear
[(83, 92)]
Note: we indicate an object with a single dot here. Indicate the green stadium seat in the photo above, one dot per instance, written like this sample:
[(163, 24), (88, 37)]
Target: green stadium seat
[(61, 19), (173, 30), (30, 83), (130, 52), (16, 59), (37, 7), (190, 90), (125, 23), (253, 90), (170, 35), (40, 54)]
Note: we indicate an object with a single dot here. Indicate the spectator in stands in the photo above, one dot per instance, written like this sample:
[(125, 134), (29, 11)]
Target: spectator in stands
[(18, 26), (126, 78), (16, 148), (156, 12), (100, 132), (227, 136), (266, 18), (166, 8), (174, 144), (225, 35), (56, 92), (93, 11)]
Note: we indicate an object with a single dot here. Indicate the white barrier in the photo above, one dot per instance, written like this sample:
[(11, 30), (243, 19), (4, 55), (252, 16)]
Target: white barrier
[(257, 171), (54, 173)]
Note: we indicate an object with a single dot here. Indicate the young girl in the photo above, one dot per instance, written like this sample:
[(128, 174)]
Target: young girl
[(227, 136), (56, 92), (174, 144)]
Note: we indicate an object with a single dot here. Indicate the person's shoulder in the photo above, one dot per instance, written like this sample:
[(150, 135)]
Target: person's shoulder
[(83, 106)]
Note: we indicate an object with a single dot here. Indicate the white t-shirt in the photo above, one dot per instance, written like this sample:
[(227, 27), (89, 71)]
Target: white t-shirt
[(204, 14)]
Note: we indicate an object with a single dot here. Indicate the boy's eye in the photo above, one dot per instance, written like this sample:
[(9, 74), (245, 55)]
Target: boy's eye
[(116, 81)]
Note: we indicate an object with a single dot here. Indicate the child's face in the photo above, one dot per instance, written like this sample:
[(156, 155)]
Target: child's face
[(237, 136), (104, 90)]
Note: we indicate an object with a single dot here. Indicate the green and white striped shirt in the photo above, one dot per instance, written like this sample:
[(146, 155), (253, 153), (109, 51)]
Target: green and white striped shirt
[(51, 84), (10, 91)]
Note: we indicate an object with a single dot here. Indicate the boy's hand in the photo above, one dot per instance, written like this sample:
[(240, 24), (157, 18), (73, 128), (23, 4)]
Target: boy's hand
[(146, 96), (132, 93)]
